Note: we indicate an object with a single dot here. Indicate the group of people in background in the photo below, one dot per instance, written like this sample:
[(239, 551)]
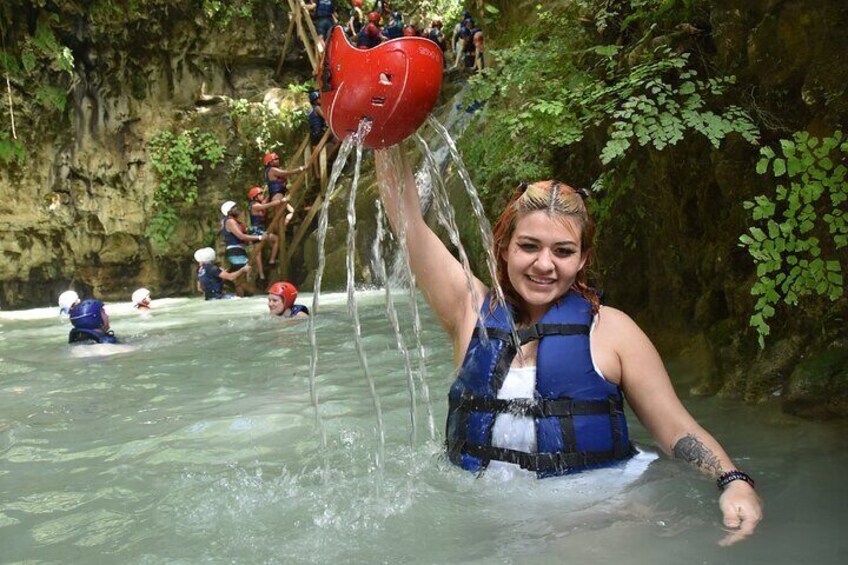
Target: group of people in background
[(368, 29), (91, 323)]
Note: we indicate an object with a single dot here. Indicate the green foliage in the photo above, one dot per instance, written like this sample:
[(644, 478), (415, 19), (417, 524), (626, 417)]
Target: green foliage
[(801, 229), (11, 150), (262, 125), (223, 12), (178, 160), (45, 68), (555, 86)]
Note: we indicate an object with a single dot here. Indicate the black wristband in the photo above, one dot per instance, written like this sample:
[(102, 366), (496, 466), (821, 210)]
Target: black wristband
[(734, 475)]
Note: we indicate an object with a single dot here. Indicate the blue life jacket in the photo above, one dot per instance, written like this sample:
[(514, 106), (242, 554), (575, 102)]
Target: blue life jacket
[(274, 186), (78, 335), (317, 125), (230, 239), (210, 281), (324, 8), (87, 315), (393, 31), (579, 417), (297, 309), (368, 41), (256, 220)]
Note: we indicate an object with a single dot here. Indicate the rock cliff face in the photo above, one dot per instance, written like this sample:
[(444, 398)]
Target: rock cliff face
[(75, 212)]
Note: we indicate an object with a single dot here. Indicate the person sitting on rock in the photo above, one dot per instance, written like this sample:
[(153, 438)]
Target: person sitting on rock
[(89, 318), (281, 297), (210, 277)]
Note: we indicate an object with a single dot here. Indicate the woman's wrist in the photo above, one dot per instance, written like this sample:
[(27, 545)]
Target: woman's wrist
[(734, 475)]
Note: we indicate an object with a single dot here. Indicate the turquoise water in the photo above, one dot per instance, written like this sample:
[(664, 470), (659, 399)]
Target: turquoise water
[(199, 444)]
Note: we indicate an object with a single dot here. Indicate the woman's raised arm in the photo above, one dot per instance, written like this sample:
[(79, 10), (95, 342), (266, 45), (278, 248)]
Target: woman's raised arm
[(439, 274)]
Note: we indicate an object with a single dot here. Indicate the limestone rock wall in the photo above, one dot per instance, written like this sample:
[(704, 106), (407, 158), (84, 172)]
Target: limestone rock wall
[(76, 211)]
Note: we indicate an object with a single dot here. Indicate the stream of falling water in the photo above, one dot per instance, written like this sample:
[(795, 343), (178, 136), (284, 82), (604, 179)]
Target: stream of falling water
[(483, 222), (391, 313), (338, 167), (364, 128), (394, 156), (447, 218)]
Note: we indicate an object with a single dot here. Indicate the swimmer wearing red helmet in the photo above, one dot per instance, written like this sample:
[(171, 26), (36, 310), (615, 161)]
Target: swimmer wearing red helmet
[(281, 297)]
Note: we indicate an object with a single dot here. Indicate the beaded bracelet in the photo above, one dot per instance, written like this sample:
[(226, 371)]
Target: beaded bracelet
[(734, 475)]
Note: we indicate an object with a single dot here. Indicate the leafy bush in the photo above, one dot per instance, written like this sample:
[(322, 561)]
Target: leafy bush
[(178, 160), (553, 87), (802, 227)]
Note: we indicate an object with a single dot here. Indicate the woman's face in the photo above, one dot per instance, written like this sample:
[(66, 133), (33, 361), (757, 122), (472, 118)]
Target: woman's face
[(276, 305), (543, 259)]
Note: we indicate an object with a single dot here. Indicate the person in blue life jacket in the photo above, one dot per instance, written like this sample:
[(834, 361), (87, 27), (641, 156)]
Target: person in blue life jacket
[(237, 238), (435, 34), (324, 15), (553, 404), (276, 180), (371, 35), (257, 210), (210, 277), (317, 123), (281, 301), (394, 28), (472, 45), (89, 318)]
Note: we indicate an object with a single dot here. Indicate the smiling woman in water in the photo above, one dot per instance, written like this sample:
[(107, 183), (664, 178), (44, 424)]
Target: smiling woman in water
[(553, 404)]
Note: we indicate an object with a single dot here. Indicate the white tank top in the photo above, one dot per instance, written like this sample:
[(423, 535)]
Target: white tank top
[(512, 431)]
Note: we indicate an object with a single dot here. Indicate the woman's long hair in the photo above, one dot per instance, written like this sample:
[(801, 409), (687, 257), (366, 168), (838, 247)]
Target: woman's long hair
[(558, 200)]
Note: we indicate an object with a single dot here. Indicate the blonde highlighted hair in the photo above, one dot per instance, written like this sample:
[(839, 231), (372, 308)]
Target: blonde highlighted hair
[(558, 200)]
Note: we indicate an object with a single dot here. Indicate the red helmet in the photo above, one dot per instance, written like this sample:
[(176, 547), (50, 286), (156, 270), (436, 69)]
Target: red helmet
[(270, 157), (395, 85), (373, 17), (410, 31), (357, 3), (254, 192), (285, 290)]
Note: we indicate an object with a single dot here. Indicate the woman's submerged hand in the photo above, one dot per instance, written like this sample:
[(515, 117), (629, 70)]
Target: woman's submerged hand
[(742, 509)]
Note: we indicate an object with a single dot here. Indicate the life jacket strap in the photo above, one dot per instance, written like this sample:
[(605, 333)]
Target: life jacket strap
[(538, 407), (533, 333), (542, 462)]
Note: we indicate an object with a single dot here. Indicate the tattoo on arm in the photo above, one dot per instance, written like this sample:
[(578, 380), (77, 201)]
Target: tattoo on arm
[(692, 450)]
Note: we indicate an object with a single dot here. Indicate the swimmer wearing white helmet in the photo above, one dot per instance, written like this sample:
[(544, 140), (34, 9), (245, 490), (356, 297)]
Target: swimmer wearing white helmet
[(141, 299), (67, 300), (210, 277)]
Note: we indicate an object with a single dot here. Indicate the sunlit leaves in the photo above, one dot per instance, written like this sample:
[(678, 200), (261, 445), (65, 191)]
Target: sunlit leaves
[(805, 224)]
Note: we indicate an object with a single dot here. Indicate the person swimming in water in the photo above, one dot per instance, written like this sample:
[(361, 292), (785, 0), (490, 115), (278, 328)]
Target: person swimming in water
[(89, 318), (281, 297), (141, 300), (552, 403), (210, 277)]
